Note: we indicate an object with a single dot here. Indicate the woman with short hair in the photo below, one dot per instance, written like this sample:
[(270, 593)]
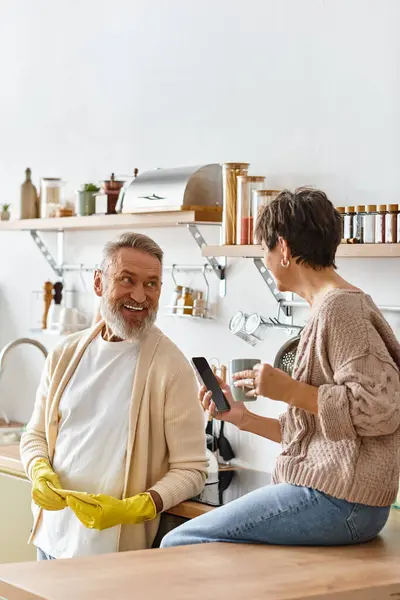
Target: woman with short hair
[(338, 472)]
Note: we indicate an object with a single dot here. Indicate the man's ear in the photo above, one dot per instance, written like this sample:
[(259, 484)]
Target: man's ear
[(98, 283)]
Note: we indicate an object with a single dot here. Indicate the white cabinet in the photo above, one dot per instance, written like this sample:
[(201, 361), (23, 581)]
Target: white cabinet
[(15, 519)]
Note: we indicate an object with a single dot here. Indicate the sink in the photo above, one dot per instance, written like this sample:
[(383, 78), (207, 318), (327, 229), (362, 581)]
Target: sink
[(10, 437), (10, 433)]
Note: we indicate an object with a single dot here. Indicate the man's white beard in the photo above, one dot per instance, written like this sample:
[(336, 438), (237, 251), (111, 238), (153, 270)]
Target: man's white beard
[(121, 328)]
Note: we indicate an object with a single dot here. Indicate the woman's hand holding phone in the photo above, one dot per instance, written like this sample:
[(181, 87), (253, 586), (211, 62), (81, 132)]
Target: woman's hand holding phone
[(235, 415)]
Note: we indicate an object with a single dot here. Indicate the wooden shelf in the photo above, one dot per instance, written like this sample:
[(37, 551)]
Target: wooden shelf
[(344, 251), (122, 221)]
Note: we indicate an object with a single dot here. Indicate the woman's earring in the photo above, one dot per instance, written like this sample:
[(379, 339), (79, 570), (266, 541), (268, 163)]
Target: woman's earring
[(285, 263)]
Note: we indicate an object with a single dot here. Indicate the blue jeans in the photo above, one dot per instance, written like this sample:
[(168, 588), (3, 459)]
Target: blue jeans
[(43, 556), (283, 514)]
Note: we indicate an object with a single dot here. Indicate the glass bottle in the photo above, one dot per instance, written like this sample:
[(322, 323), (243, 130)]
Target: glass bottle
[(369, 224), (391, 223), (348, 222), (199, 305), (185, 302), (358, 223), (230, 173), (29, 204), (380, 224), (244, 218)]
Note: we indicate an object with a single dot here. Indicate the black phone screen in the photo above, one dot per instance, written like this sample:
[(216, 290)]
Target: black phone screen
[(209, 380)]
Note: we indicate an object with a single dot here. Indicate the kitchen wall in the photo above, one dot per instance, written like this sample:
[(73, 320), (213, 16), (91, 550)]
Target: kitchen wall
[(307, 92)]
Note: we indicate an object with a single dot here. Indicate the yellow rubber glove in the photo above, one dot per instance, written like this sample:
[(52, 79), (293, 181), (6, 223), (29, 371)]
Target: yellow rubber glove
[(43, 477), (101, 511)]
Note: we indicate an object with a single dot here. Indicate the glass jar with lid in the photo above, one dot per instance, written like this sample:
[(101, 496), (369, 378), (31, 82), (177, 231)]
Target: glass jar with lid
[(341, 212), (51, 196), (391, 223), (261, 197), (184, 305), (230, 173), (398, 225), (246, 184), (380, 224), (358, 223), (199, 305), (369, 223), (174, 299), (348, 222)]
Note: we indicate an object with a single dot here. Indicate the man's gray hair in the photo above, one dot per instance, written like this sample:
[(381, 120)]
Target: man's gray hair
[(137, 241)]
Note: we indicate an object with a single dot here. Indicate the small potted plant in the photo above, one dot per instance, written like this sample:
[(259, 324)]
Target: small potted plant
[(5, 212), (87, 199)]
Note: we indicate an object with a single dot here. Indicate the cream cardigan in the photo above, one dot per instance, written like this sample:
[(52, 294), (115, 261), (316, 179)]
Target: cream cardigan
[(166, 442)]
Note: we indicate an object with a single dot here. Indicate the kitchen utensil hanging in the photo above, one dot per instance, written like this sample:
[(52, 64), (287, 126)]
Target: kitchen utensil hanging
[(253, 328), (205, 312), (286, 356)]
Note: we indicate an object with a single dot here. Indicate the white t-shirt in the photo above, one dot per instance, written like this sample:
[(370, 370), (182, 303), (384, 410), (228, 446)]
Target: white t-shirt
[(90, 452)]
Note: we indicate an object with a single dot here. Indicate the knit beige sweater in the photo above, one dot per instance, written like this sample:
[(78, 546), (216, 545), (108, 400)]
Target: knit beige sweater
[(350, 450)]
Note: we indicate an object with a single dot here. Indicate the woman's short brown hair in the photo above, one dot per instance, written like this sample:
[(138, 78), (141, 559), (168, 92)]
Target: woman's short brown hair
[(309, 223)]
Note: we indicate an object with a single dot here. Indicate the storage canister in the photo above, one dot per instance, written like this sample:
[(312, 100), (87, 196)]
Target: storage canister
[(261, 197), (245, 219), (51, 196), (230, 173)]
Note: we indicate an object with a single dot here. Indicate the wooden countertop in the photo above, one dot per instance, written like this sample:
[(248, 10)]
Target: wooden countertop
[(235, 571), (10, 463)]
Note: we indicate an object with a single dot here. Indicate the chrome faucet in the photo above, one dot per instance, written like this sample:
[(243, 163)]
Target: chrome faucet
[(18, 343), (11, 345)]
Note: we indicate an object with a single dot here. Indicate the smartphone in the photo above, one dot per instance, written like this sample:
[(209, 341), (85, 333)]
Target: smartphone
[(211, 383)]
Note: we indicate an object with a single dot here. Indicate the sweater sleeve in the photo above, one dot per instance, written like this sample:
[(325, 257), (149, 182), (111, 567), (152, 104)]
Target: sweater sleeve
[(33, 440), (185, 435), (363, 401)]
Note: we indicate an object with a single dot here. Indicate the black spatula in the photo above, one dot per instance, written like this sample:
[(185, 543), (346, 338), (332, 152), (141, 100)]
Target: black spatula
[(224, 447)]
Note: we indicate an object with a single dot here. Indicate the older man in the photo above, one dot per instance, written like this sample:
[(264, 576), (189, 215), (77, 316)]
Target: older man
[(117, 432)]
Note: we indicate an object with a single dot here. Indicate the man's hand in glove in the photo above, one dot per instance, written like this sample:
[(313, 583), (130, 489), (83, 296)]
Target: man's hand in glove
[(101, 511), (45, 484)]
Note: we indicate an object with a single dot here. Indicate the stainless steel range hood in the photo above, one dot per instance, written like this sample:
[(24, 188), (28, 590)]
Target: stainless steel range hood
[(182, 188)]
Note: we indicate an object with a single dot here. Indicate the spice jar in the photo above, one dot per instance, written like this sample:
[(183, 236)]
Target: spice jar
[(184, 305), (358, 223), (391, 223), (398, 225), (369, 224), (199, 305), (244, 218), (230, 173), (260, 198), (174, 299), (51, 196), (348, 222), (380, 224), (341, 210)]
